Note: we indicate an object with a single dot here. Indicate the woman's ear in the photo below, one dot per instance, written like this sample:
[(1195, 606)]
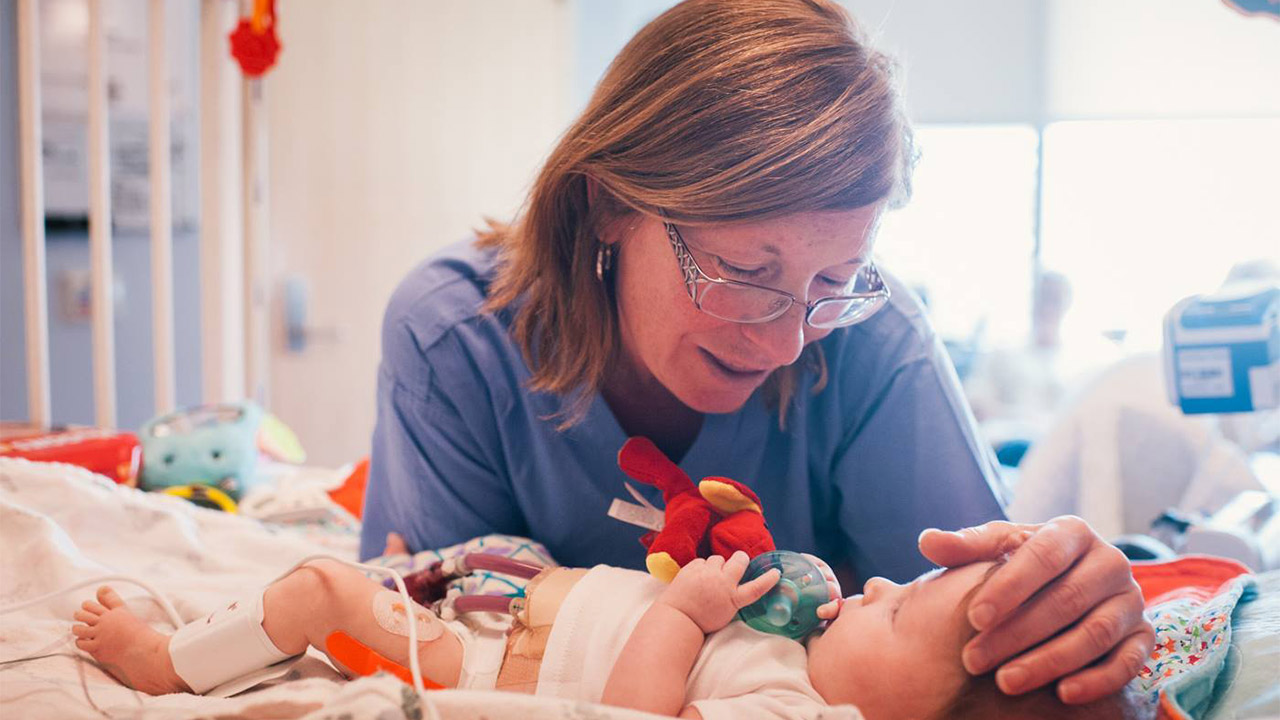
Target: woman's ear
[(606, 211)]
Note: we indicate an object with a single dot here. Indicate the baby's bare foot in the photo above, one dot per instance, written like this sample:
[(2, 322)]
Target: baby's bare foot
[(125, 646)]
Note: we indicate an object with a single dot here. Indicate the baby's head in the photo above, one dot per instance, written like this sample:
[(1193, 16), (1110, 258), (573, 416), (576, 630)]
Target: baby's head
[(894, 652)]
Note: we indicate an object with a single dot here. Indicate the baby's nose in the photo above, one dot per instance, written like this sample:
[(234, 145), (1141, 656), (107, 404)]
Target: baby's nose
[(874, 588)]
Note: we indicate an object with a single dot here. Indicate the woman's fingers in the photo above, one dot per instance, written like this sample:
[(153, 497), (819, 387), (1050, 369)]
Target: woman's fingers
[(1113, 673), (984, 542), (1061, 575), (1106, 627), (1049, 552), (1100, 575)]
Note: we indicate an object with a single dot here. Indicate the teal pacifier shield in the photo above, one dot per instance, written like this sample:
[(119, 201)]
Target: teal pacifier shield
[(790, 608)]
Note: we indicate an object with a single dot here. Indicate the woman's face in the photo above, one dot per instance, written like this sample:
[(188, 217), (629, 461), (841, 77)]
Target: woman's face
[(894, 650), (713, 365)]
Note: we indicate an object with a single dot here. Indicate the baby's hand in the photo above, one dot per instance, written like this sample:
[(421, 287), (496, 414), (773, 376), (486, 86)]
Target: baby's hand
[(708, 593)]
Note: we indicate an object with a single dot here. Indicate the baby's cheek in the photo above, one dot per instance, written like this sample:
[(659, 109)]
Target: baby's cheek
[(929, 684), (908, 682)]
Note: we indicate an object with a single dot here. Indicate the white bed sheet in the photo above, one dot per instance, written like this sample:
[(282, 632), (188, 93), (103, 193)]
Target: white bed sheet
[(60, 525)]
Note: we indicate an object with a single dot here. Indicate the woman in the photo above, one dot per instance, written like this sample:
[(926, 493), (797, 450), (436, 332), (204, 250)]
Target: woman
[(694, 265)]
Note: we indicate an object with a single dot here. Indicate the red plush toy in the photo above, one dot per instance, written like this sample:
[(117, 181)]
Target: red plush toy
[(717, 517)]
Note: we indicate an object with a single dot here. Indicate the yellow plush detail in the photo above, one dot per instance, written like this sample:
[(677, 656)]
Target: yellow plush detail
[(662, 566), (725, 497)]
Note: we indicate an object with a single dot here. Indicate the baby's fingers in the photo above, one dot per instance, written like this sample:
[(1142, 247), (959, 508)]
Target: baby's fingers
[(829, 610), (753, 590), (736, 566)]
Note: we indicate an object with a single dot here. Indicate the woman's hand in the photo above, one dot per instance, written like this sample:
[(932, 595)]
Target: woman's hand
[(1060, 575), (708, 593)]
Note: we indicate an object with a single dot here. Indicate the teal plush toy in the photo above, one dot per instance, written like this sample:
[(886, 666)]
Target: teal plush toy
[(214, 446)]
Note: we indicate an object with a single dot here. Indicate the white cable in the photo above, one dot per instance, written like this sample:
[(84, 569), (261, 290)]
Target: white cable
[(163, 603), (415, 668)]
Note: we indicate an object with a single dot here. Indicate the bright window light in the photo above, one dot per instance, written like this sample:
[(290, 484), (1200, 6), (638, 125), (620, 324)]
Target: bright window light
[(967, 236), (1139, 214)]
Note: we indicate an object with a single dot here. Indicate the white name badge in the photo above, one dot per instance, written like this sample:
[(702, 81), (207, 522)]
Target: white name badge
[(643, 514)]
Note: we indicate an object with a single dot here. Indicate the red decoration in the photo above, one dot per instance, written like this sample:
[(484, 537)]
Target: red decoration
[(254, 43), (116, 455), (716, 517)]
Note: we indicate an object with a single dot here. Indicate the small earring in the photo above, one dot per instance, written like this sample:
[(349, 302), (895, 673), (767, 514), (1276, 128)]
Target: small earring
[(604, 260)]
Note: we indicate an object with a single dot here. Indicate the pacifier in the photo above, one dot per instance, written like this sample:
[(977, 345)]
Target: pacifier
[(790, 608)]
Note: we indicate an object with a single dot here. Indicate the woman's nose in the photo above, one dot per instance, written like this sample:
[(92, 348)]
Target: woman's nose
[(877, 588), (780, 340)]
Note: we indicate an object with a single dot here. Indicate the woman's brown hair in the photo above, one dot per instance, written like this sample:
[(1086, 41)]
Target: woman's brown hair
[(717, 111)]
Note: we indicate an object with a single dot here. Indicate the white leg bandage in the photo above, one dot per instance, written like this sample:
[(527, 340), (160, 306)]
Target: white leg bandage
[(225, 651)]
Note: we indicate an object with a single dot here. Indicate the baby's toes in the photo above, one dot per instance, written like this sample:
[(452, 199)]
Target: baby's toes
[(110, 598), (87, 644), (83, 631), (86, 617), (93, 606)]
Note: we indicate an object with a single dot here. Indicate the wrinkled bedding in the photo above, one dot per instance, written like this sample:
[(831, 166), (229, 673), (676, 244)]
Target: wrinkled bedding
[(60, 525)]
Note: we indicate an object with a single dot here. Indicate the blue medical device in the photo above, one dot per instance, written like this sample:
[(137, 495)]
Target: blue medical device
[(1222, 351)]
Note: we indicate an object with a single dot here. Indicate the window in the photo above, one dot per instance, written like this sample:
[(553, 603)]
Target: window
[(967, 238), (1140, 214)]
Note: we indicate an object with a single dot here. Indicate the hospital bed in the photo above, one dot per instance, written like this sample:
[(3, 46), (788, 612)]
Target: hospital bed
[(61, 525)]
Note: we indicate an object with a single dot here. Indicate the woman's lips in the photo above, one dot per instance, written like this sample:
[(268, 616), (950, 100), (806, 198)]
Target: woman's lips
[(733, 371)]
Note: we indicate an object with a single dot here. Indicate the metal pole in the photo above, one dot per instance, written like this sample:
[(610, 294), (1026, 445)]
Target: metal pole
[(36, 300), (257, 333), (104, 375), (161, 215), (221, 208)]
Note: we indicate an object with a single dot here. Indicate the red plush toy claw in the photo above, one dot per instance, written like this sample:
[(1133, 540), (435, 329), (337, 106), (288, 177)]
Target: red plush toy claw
[(719, 516)]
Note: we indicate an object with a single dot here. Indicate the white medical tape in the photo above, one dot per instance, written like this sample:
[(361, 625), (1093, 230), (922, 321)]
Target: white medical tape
[(389, 612), (228, 644)]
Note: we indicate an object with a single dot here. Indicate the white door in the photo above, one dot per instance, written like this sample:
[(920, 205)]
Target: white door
[(394, 127)]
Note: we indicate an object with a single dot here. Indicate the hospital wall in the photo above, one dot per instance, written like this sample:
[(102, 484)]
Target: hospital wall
[(981, 61), (67, 261)]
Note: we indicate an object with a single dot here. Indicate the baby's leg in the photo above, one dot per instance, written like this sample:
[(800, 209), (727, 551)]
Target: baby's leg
[(302, 608), (324, 597)]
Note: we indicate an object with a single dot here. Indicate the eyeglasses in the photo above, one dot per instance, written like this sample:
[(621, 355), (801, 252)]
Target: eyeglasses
[(743, 302)]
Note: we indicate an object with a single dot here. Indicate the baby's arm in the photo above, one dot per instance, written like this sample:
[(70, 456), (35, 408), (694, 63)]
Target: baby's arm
[(653, 669)]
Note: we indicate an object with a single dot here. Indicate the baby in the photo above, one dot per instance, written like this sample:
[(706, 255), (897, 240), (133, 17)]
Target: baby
[(621, 637)]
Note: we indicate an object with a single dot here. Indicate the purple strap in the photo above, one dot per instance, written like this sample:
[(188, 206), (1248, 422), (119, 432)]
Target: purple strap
[(498, 564), (482, 603)]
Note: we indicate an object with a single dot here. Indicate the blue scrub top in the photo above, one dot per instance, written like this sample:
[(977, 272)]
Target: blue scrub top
[(462, 448)]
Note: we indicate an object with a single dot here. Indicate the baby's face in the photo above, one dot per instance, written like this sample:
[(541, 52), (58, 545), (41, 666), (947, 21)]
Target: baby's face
[(894, 651)]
